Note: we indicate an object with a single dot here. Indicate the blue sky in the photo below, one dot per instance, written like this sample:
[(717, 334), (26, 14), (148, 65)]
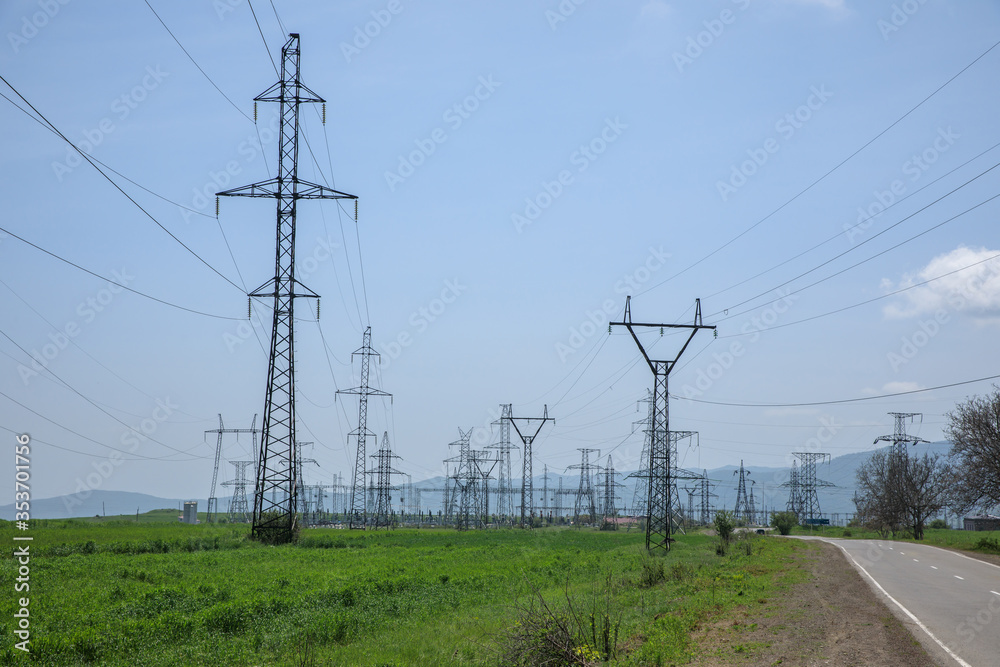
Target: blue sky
[(521, 168)]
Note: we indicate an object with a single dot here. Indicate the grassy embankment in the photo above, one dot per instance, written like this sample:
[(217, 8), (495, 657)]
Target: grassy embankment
[(117, 592), (987, 542)]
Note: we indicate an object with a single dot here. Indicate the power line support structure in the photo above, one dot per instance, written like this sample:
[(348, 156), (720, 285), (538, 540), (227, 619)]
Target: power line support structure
[(705, 491), (381, 516), (527, 438), (239, 508), (742, 510), (585, 492), (358, 512), (505, 485), (609, 507), (640, 494), (213, 501), (275, 492), (808, 484), (661, 486)]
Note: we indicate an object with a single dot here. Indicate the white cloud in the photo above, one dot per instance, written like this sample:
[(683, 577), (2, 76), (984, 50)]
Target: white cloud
[(899, 387), (974, 290)]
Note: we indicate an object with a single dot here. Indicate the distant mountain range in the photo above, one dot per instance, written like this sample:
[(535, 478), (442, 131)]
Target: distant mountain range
[(766, 484)]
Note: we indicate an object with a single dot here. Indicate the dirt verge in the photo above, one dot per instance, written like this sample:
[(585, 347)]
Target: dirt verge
[(831, 618)]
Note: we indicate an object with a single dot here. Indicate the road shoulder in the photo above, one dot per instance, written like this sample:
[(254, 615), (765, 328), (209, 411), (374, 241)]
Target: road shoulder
[(831, 618)]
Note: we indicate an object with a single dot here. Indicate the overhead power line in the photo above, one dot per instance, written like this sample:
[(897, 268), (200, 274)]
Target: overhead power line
[(837, 402), (824, 176), (118, 187)]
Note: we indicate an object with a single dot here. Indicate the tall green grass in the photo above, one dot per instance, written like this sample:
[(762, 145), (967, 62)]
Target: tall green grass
[(165, 594)]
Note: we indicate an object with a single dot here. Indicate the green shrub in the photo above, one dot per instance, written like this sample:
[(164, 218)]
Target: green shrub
[(784, 522), (724, 525), (988, 545)]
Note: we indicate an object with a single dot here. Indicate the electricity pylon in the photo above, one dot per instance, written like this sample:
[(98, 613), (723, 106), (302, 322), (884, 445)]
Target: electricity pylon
[(505, 490), (609, 507), (383, 485), (585, 493), (527, 437), (275, 493), (795, 502), (239, 509), (808, 483), (661, 486), (742, 511), (705, 487), (213, 501), (359, 509), (640, 494)]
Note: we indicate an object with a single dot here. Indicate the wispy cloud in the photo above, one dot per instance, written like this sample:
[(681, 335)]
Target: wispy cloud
[(974, 290)]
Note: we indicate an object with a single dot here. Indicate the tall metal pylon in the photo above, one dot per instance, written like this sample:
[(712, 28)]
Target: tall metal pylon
[(470, 483), (609, 506), (752, 504), (808, 483), (505, 485), (705, 489), (899, 438), (275, 493), (213, 501), (692, 491), (358, 511), (742, 510), (661, 487), (795, 502), (239, 508), (585, 497), (527, 437), (381, 516), (640, 494)]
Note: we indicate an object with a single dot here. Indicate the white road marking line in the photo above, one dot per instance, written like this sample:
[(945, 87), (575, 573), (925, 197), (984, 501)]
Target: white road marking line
[(906, 611), (994, 593), (974, 560), (958, 577), (933, 567), (915, 560)]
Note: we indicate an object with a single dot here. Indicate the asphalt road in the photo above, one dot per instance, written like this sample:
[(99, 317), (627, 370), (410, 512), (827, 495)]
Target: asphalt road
[(950, 602)]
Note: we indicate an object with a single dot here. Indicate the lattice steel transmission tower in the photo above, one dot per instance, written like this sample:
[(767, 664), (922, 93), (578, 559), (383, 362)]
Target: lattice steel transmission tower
[(899, 437), (706, 495), (505, 484), (469, 492), (239, 508), (742, 510), (661, 487), (692, 492), (358, 510), (795, 502), (213, 501), (527, 437), (609, 508), (808, 483), (585, 496), (275, 493), (752, 504), (640, 494), (382, 514)]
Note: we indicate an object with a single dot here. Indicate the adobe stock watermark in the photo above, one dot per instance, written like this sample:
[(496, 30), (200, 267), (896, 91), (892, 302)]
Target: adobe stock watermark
[(900, 16), (86, 312), (203, 197), (974, 625), (131, 439), (363, 35), (723, 361), (913, 168), (305, 266), (596, 320), (927, 329), (454, 116), (421, 319), (786, 128), (703, 40), (122, 107), (581, 158), (562, 12), (34, 23)]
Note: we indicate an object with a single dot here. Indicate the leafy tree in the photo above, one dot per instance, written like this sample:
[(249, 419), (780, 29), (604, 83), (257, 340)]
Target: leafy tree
[(974, 432), (897, 491), (784, 521)]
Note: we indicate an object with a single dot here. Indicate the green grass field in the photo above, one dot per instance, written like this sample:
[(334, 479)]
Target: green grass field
[(942, 537), (118, 592)]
